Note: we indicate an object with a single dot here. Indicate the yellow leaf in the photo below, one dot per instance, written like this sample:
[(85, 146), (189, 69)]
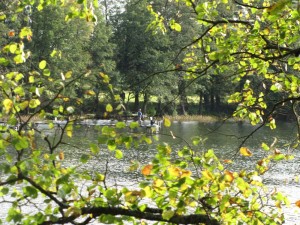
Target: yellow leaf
[(68, 75), (8, 104), (186, 173), (167, 122), (158, 183), (109, 108), (266, 31), (148, 192), (245, 151), (147, 170), (229, 176), (90, 92), (46, 156), (69, 130), (207, 174), (297, 203), (174, 171), (69, 133)]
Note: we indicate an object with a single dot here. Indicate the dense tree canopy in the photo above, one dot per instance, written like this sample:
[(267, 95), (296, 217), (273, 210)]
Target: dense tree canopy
[(57, 55)]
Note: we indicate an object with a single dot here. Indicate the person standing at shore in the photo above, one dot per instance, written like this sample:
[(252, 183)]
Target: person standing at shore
[(140, 116)]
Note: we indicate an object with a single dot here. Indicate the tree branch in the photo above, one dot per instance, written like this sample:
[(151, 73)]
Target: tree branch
[(249, 6), (275, 106), (152, 215)]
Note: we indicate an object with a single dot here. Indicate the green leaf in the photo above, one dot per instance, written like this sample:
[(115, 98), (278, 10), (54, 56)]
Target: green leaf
[(31, 79), (102, 140), (94, 148), (19, 91), (133, 125), (42, 64), (84, 158), (265, 146), (46, 72), (4, 191), (20, 143), (111, 144), (120, 125), (18, 59), (25, 32), (212, 56), (15, 215), (33, 103), (176, 27), (30, 191), (4, 61), (168, 214), (279, 157), (119, 154), (13, 47)]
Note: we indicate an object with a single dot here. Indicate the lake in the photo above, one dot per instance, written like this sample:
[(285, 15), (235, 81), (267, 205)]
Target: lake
[(224, 138)]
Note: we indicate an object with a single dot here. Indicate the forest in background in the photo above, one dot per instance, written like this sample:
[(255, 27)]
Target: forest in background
[(144, 66)]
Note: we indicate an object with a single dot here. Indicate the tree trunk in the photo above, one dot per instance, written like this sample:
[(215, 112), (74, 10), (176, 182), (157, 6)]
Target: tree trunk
[(200, 108), (158, 108), (145, 103), (206, 102), (212, 101), (182, 96), (218, 103), (136, 101)]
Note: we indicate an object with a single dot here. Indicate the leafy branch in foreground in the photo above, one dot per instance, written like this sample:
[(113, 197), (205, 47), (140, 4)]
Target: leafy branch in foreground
[(180, 186)]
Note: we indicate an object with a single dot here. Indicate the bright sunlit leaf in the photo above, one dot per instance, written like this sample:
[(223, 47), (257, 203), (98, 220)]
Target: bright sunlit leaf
[(229, 176), (265, 146), (8, 104), (174, 171), (109, 108), (13, 47), (34, 103), (207, 174), (167, 122), (186, 173), (147, 170), (90, 92), (69, 130), (245, 151), (119, 154), (42, 64), (168, 214), (68, 74)]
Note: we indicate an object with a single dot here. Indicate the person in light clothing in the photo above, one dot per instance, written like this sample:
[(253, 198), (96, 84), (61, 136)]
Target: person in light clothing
[(140, 116)]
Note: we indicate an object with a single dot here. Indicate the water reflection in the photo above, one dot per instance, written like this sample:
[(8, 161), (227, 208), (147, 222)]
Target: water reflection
[(224, 138)]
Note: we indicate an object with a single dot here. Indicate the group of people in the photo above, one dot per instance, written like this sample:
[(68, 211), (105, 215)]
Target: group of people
[(140, 117)]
